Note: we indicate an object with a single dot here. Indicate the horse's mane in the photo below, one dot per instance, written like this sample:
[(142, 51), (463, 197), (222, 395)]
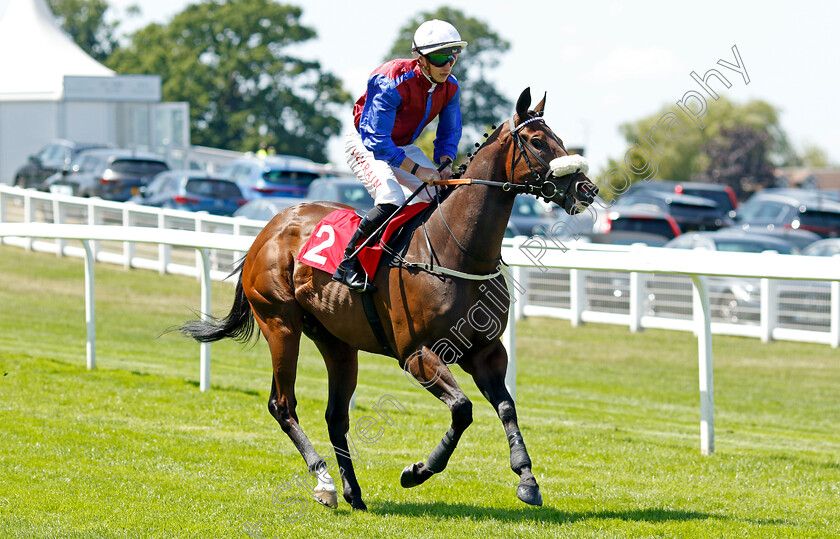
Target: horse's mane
[(489, 138)]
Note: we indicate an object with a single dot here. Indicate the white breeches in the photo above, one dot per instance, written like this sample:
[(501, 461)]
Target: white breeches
[(386, 184)]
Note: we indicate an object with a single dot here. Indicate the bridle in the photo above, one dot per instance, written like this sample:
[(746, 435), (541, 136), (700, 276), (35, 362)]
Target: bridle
[(545, 187)]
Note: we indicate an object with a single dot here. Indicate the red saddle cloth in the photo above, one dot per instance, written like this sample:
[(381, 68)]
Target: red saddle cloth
[(325, 248)]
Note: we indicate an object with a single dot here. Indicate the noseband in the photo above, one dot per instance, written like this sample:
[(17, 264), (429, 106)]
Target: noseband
[(544, 187)]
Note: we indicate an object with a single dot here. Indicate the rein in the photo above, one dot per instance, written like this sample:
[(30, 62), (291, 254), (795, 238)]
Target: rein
[(544, 188), (517, 188)]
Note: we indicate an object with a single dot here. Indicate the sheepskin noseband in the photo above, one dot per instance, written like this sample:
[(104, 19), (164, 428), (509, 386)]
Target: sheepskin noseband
[(568, 164)]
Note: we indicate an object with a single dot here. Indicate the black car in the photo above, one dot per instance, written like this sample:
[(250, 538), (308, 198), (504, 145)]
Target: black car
[(191, 190), (723, 195), (54, 157), (690, 212), (111, 174), (801, 211)]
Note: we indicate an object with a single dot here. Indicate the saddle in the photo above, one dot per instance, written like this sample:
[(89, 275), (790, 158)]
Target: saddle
[(325, 248)]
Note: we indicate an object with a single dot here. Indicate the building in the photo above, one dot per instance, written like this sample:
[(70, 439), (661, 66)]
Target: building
[(50, 88), (809, 178)]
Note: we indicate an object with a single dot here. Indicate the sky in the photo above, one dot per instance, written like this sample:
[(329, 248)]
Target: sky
[(603, 64)]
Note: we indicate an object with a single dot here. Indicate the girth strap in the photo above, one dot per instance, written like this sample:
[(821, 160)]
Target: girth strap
[(376, 324)]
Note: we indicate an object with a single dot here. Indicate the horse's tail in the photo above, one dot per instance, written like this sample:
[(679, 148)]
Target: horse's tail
[(238, 324)]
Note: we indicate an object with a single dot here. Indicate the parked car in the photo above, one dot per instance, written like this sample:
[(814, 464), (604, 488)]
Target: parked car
[(110, 174), (265, 208), (799, 238), (799, 192), (827, 247), (649, 220), (628, 238), (807, 304), (192, 191), (530, 218), (723, 195), (54, 157), (732, 241), (344, 189), (690, 212), (272, 176), (733, 299), (801, 211)]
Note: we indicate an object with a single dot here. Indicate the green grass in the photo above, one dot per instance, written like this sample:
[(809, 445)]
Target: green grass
[(610, 418)]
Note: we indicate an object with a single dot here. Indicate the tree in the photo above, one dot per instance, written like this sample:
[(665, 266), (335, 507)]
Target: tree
[(481, 104), (229, 60), (671, 146), (738, 157), (84, 21), (813, 156)]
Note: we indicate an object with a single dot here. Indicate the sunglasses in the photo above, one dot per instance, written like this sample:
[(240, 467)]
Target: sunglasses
[(440, 60)]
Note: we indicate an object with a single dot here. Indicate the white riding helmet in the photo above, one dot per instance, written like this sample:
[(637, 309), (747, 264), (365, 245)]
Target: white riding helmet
[(437, 36)]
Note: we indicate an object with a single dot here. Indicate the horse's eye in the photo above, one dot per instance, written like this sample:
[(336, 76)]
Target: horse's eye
[(536, 142)]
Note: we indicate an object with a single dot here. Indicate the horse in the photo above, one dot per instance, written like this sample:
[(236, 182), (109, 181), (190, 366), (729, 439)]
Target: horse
[(452, 311)]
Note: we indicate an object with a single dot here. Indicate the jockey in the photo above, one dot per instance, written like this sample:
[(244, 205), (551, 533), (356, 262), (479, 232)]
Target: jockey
[(402, 97)]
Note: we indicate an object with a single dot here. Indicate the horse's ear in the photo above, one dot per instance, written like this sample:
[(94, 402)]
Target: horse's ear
[(523, 103), (541, 105)]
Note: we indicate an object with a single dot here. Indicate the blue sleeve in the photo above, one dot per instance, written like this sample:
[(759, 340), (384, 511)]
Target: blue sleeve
[(449, 129), (377, 120)]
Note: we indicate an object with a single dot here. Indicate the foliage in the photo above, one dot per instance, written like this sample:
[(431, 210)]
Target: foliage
[(85, 21), (738, 157), (814, 156), (232, 62), (133, 449), (672, 145), (481, 103)]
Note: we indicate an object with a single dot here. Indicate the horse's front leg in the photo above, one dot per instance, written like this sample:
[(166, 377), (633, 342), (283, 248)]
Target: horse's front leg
[(488, 369), (429, 371)]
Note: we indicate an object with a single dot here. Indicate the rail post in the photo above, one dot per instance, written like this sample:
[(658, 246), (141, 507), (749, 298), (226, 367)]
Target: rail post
[(703, 325), (90, 308), (204, 374)]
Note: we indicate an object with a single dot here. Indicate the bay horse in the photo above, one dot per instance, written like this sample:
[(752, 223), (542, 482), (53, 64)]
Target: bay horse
[(429, 315)]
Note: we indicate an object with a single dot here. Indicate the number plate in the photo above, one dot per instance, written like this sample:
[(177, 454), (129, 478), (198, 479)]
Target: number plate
[(61, 190)]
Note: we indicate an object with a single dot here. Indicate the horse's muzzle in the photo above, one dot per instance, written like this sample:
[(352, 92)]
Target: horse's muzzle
[(573, 192)]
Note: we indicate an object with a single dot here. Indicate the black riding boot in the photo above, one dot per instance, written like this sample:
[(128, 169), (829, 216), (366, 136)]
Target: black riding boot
[(350, 271)]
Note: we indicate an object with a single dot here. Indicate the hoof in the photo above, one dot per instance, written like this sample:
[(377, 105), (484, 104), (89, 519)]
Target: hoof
[(327, 497), (530, 495), (349, 498), (407, 477)]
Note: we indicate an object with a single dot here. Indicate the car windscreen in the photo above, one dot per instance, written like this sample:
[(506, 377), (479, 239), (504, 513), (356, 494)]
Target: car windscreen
[(213, 188), (689, 211), (138, 167), (747, 246), (660, 227), (290, 177), (354, 194), (528, 207), (821, 219), (721, 197)]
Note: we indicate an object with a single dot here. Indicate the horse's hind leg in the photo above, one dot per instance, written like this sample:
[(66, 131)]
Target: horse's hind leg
[(342, 369), (433, 374), (283, 336), (488, 370)]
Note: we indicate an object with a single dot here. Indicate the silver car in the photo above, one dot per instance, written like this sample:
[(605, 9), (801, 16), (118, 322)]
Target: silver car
[(272, 176)]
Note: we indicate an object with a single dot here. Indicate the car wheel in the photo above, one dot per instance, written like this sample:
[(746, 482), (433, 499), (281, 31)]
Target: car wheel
[(728, 309)]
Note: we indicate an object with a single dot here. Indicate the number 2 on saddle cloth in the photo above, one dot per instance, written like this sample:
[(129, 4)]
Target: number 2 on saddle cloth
[(325, 248)]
